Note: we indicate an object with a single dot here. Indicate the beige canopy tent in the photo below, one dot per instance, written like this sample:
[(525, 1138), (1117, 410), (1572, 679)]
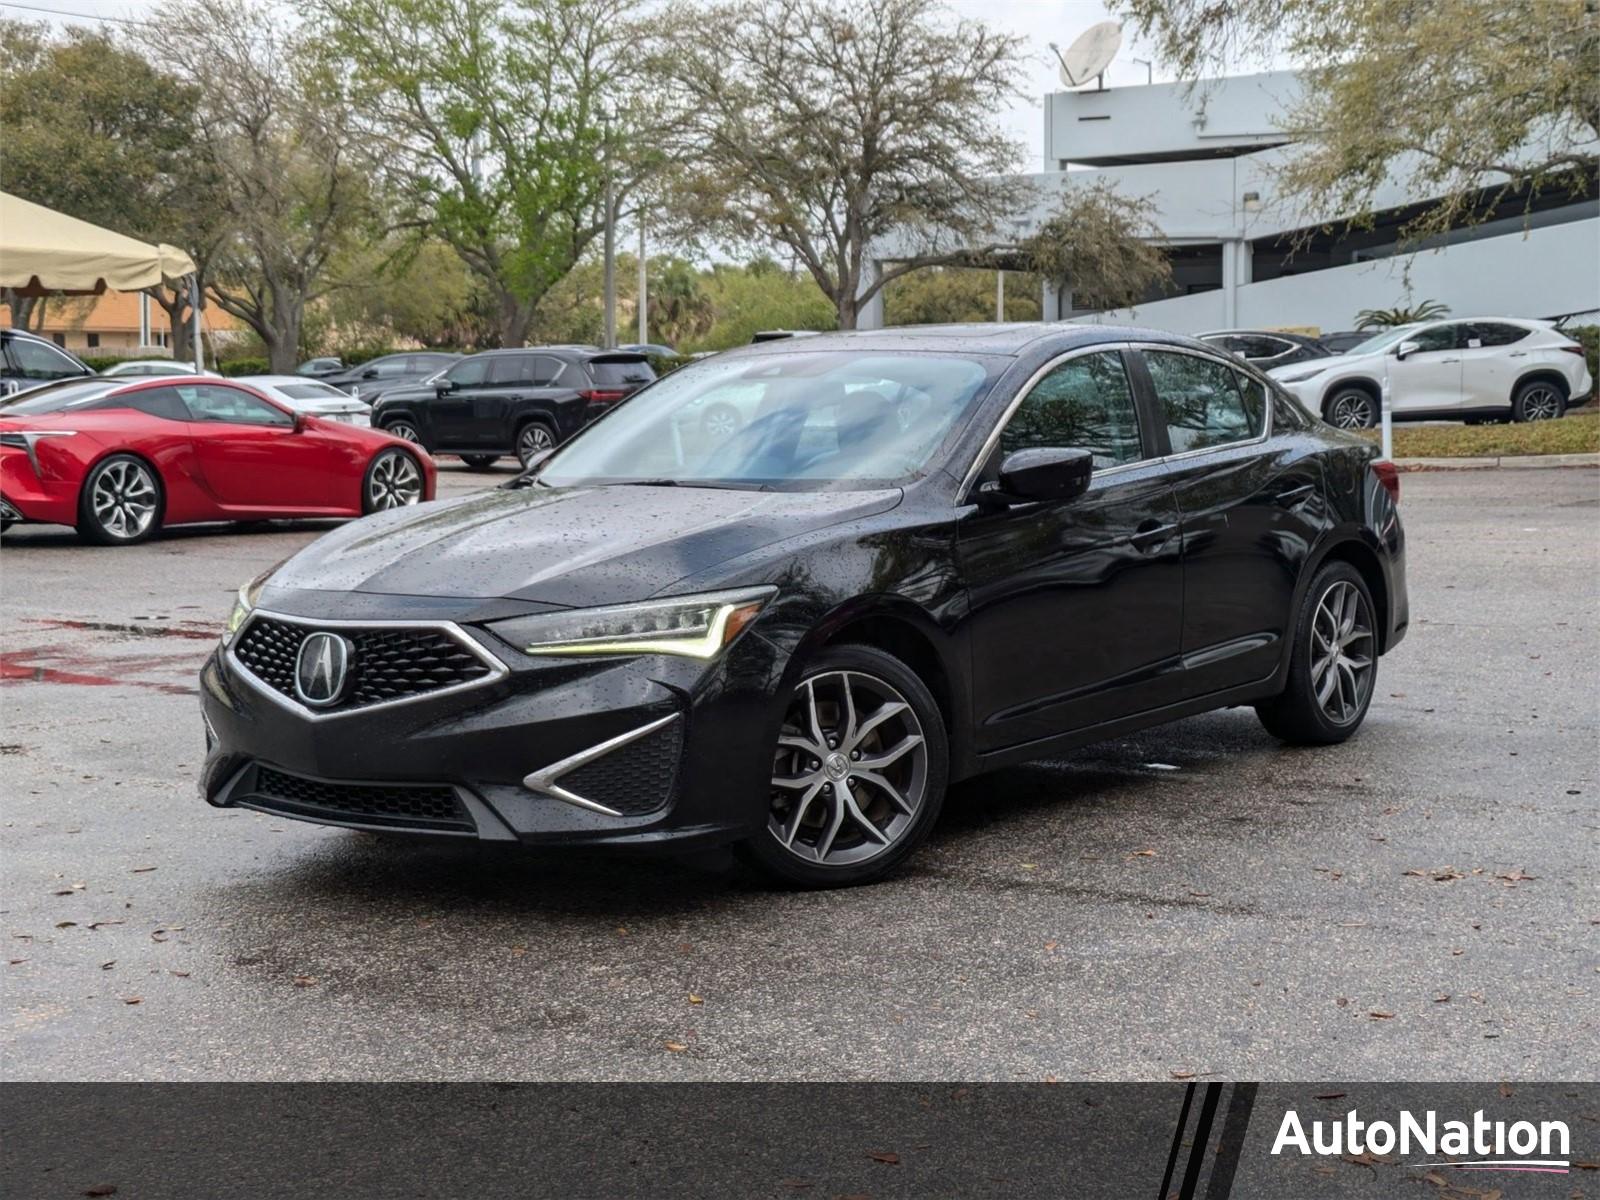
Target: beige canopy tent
[(42, 251)]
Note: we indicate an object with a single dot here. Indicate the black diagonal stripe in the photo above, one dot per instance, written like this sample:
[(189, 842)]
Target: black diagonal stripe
[(1202, 1137), (1231, 1144), (1177, 1141)]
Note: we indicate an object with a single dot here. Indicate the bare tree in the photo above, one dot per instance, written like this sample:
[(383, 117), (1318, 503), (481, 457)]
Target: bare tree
[(1102, 244), (823, 126), (277, 132)]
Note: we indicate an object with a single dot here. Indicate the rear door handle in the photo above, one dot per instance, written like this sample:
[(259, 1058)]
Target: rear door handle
[(1449, 360), (1518, 354)]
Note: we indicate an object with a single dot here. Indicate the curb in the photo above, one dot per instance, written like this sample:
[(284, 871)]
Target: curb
[(1509, 462)]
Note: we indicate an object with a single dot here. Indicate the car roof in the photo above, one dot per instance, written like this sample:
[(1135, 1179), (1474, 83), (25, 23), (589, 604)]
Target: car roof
[(297, 380), (1285, 334), (1007, 340)]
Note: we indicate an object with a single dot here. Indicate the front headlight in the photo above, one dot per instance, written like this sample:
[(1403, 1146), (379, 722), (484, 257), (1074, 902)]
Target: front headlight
[(691, 626), (244, 604)]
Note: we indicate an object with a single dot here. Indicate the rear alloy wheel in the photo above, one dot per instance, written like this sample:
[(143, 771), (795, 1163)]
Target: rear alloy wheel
[(393, 480), (120, 503), (480, 462), (1352, 408), (858, 773), (1334, 665), (1538, 400), (533, 440)]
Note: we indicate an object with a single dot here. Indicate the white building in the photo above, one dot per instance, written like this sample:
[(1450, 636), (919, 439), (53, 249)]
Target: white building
[(1205, 158)]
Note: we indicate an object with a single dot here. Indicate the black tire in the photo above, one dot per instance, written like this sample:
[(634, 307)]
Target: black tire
[(393, 479), (101, 517), (910, 744), (534, 438), (480, 462), (720, 421), (1298, 714), (1351, 407), (1538, 400), (403, 428)]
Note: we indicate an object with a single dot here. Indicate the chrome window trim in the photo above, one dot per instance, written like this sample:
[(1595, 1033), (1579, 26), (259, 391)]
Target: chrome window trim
[(1221, 357), (497, 669)]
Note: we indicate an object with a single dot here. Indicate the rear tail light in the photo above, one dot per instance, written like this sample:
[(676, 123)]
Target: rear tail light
[(1389, 476), (1572, 348), (600, 397)]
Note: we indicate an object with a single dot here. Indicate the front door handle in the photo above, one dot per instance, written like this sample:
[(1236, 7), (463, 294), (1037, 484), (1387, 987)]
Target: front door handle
[(1150, 534), (1518, 354)]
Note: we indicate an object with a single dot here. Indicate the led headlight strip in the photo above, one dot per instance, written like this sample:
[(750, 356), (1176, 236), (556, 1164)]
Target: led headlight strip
[(689, 626)]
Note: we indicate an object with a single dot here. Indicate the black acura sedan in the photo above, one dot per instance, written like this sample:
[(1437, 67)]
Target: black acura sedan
[(924, 553)]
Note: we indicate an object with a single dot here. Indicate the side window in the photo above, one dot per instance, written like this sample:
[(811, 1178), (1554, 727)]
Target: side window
[(1492, 333), (389, 367), (1086, 404), (33, 360), (1202, 403), (469, 372), (546, 370), (160, 402), (511, 369), (230, 406), (1440, 337)]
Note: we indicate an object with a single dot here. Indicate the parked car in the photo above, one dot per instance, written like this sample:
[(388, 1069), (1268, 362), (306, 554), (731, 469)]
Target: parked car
[(316, 367), (520, 402), (796, 638), (314, 396), (1481, 368), (371, 379), (1340, 341), (1267, 348), (26, 361), (120, 460), (134, 367), (778, 335)]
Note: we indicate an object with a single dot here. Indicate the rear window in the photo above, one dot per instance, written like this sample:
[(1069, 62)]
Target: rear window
[(59, 396), (312, 391), (621, 371)]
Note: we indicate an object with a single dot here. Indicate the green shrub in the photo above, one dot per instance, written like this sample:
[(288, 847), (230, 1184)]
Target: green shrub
[(246, 366), (665, 364), (99, 362)]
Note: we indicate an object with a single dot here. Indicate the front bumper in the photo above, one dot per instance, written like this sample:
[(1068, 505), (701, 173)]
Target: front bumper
[(646, 750)]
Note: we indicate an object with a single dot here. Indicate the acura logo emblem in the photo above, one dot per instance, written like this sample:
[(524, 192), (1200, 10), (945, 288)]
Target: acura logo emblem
[(320, 669)]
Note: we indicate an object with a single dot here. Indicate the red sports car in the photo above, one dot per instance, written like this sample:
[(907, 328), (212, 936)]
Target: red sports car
[(118, 460)]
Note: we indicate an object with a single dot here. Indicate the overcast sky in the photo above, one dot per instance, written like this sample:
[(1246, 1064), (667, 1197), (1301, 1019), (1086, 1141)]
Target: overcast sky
[(1038, 22)]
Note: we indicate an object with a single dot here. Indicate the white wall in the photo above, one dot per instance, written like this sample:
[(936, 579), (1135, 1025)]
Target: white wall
[(1551, 271)]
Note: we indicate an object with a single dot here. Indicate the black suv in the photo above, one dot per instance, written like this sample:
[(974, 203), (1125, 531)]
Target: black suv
[(26, 361), (371, 379), (520, 402)]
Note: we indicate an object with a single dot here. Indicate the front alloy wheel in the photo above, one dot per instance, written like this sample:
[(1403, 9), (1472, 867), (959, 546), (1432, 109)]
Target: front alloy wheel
[(393, 481), (1352, 408), (858, 773)]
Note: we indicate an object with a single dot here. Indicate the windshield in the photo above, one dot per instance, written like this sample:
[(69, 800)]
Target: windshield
[(57, 396), (786, 421), (1380, 341)]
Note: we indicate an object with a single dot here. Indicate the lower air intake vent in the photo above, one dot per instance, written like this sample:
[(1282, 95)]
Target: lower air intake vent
[(402, 805), (635, 778)]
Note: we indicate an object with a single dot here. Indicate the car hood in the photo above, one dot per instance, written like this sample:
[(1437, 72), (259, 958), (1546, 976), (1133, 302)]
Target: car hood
[(565, 546)]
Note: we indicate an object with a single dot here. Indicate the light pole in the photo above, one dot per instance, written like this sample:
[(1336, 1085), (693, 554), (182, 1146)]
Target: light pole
[(611, 237)]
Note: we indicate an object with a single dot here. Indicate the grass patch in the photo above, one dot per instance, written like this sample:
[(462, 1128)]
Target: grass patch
[(1576, 433)]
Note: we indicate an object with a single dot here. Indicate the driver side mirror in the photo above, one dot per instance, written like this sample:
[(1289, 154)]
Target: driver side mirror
[(445, 385), (1042, 474), (1405, 349), (370, 373)]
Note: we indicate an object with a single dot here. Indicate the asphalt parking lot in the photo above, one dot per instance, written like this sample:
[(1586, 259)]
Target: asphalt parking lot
[(1197, 901)]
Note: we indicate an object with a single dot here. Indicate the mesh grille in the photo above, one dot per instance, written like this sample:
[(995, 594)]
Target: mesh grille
[(385, 663), (414, 806), (633, 779)]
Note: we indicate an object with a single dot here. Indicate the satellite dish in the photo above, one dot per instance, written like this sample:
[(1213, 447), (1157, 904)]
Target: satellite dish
[(1090, 54)]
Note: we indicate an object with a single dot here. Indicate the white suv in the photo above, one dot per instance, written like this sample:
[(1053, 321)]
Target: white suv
[(1483, 368)]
